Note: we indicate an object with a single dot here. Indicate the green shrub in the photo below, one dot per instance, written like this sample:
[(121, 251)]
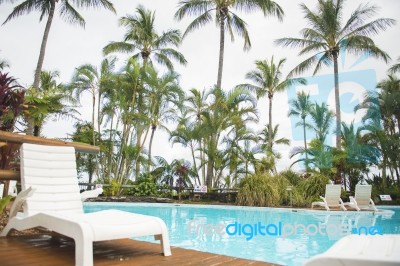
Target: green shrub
[(260, 190), (311, 188), (145, 187), (112, 190), (291, 176)]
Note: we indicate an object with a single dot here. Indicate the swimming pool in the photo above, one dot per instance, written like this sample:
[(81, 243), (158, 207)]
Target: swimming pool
[(235, 231)]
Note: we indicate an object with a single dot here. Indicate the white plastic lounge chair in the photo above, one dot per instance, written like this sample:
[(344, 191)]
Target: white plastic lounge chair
[(331, 199), (360, 250), (92, 193), (49, 174), (362, 199)]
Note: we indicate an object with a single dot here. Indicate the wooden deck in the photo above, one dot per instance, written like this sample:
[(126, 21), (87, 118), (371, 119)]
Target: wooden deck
[(58, 250)]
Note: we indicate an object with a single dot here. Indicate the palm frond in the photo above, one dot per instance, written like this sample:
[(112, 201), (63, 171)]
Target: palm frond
[(71, 15)]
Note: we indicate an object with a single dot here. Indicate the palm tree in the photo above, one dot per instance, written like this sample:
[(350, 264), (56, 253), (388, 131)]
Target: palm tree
[(48, 8), (49, 100), (164, 95), (328, 34), (188, 135), (265, 136), (89, 78), (321, 118), (301, 107), (225, 113), (267, 80), (142, 40), (390, 100), (225, 19), (195, 105)]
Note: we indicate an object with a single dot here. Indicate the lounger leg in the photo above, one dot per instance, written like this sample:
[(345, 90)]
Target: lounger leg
[(164, 241), (6, 230), (83, 253)]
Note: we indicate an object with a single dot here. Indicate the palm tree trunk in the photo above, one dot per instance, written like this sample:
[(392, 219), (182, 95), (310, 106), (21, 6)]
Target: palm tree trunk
[(270, 133), (93, 110), (210, 163), (384, 177), (36, 81), (153, 130), (43, 45), (194, 164), (98, 113), (337, 107), (305, 142), (337, 100), (221, 52), (202, 160)]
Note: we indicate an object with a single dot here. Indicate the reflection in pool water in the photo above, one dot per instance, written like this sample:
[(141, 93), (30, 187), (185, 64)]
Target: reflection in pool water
[(195, 227)]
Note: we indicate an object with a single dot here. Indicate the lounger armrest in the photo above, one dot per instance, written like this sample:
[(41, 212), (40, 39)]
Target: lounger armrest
[(342, 204), (91, 193), (20, 200)]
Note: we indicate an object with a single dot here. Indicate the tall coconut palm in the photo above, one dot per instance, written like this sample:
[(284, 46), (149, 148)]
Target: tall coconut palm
[(301, 107), (267, 80), (48, 8), (329, 34), (225, 19), (144, 42)]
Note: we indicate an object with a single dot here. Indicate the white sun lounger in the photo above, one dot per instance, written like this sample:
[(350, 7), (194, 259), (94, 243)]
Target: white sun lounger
[(52, 200), (331, 199), (361, 250), (362, 199)]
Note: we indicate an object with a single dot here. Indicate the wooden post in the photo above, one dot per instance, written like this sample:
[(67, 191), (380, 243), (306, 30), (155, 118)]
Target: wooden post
[(19, 139)]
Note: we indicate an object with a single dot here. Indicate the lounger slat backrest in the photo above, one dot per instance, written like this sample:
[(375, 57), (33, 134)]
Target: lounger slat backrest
[(363, 194), (52, 172), (332, 194)]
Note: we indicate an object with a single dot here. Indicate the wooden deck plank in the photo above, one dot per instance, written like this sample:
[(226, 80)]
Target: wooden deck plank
[(50, 250)]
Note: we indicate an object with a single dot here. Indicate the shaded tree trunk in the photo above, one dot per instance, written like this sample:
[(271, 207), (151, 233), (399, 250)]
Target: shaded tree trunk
[(337, 99), (335, 54)]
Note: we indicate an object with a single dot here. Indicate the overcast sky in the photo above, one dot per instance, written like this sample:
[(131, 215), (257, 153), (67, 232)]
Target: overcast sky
[(70, 46)]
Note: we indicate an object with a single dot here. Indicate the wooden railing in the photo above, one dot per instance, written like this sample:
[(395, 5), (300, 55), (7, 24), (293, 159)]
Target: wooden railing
[(8, 137)]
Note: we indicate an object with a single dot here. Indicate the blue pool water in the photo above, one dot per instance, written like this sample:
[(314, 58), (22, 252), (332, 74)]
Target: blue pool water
[(204, 228)]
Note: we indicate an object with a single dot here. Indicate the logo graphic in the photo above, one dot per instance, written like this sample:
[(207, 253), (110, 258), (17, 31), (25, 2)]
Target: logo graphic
[(249, 231)]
